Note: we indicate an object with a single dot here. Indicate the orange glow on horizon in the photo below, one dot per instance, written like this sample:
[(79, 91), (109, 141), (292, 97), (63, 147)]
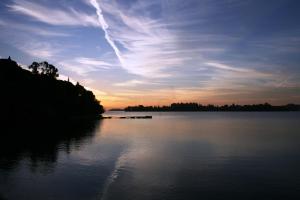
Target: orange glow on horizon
[(120, 104)]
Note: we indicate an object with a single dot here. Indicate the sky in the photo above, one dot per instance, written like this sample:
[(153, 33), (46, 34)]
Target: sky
[(131, 52)]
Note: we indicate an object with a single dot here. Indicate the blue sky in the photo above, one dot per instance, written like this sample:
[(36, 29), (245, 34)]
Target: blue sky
[(161, 51)]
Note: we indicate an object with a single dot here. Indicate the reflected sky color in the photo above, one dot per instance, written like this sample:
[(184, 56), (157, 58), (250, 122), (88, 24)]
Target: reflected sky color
[(161, 51), (175, 156)]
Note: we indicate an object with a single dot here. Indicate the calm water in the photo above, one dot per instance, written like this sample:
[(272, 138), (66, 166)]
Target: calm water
[(172, 156)]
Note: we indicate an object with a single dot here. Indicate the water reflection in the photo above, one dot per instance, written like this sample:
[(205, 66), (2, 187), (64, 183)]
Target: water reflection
[(40, 145), (207, 156), (172, 156)]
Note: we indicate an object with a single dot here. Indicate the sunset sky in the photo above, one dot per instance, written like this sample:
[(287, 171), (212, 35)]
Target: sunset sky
[(156, 52)]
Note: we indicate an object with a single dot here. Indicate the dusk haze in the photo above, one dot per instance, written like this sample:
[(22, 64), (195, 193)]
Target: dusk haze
[(131, 52), (149, 99)]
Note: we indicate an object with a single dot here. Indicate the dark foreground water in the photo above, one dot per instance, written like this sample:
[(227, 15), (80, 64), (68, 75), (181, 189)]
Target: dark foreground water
[(172, 156)]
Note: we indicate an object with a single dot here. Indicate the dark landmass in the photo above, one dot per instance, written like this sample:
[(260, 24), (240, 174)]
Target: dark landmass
[(40, 115), (127, 117), (195, 107), (36, 95), (116, 109)]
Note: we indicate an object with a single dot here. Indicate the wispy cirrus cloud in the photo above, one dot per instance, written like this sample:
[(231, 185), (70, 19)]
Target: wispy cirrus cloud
[(242, 71), (246, 81), (53, 16), (238, 78), (130, 83), (41, 50), (43, 32), (144, 46), (82, 66), (155, 47), (160, 50), (227, 67), (33, 29), (93, 62)]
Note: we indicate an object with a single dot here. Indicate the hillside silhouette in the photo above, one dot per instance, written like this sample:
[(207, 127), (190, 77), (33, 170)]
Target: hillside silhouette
[(35, 95), (195, 107)]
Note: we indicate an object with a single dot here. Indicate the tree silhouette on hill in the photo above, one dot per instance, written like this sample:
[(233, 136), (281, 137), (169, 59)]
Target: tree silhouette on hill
[(38, 95), (44, 68)]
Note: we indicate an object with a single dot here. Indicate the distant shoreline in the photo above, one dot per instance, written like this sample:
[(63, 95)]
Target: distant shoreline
[(195, 107), (211, 111)]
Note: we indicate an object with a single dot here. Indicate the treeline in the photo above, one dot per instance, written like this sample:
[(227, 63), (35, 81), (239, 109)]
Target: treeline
[(194, 107), (36, 94)]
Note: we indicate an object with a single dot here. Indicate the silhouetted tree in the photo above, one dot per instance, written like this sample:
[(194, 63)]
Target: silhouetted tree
[(44, 68), (34, 67), (49, 70)]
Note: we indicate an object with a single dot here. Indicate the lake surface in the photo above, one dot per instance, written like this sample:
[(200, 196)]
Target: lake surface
[(172, 156)]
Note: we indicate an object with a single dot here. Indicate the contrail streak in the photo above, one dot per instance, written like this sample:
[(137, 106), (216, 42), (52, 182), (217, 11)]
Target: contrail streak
[(105, 26)]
